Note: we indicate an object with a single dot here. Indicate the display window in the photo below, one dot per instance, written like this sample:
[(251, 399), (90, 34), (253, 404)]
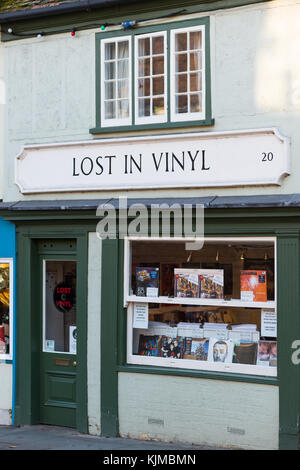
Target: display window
[(212, 308), (6, 308)]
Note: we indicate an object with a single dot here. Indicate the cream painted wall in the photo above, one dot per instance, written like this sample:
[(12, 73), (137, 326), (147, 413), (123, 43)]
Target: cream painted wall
[(198, 411), (6, 394), (255, 84), (93, 344)]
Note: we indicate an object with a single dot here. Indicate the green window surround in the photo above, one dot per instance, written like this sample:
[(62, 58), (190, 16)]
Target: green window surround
[(179, 103)]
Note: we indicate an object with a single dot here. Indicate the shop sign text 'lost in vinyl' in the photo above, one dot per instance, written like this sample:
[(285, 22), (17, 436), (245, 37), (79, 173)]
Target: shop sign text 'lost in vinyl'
[(252, 157)]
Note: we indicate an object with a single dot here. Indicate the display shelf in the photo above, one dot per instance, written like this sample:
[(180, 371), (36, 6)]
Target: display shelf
[(271, 304), (203, 365)]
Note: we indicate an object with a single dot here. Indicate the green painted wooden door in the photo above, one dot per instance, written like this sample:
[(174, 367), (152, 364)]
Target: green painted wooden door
[(58, 339)]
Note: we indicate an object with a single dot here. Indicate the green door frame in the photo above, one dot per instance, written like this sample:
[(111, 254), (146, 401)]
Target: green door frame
[(27, 350)]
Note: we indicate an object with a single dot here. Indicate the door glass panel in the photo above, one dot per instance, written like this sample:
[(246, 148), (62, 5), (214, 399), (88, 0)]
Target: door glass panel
[(60, 330)]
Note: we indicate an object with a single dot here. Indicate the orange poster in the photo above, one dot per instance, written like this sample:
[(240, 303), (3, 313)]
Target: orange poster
[(254, 286)]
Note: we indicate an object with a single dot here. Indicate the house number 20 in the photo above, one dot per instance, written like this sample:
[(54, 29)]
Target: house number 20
[(267, 157)]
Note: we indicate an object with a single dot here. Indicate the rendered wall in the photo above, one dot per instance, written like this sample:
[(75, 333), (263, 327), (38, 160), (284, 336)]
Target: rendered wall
[(198, 411), (255, 84)]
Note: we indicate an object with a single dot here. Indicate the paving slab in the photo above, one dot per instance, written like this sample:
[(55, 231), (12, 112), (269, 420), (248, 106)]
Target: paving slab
[(41, 437)]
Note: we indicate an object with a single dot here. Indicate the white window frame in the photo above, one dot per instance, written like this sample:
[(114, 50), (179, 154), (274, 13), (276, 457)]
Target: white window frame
[(130, 300), (115, 122), (10, 262), (179, 117), (159, 118)]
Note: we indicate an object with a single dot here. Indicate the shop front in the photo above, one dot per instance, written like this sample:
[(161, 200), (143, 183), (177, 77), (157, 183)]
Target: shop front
[(162, 318), (172, 341)]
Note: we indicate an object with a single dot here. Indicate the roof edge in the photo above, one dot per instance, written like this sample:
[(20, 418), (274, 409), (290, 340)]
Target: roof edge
[(76, 6), (209, 202), (88, 5)]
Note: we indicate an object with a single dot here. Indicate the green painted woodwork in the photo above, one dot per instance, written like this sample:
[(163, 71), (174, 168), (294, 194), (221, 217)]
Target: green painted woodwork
[(58, 384), (284, 223), (199, 374), (163, 125), (58, 392), (109, 346), (35, 368), (115, 15), (288, 331), (27, 360), (208, 121)]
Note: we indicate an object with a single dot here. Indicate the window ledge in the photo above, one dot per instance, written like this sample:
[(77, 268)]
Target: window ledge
[(166, 125), (201, 374)]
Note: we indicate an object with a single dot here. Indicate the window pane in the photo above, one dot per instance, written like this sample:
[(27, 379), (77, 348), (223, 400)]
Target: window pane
[(181, 83), (144, 47), (60, 306), (115, 86), (110, 90), (158, 106), (123, 68), (150, 77), (195, 103), (158, 65), (181, 104), (110, 51), (4, 308), (195, 40), (123, 89), (181, 42), (144, 87), (110, 109), (144, 107), (158, 45), (144, 67), (123, 49), (158, 85), (110, 70), (181, 63), (123, 109), (195, 82), (195, 61)]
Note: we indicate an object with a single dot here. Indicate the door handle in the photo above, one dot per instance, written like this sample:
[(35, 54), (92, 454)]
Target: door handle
[(74, 363)]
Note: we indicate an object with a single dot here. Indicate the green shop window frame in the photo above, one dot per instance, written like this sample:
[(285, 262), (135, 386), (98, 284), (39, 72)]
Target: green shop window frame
[(131, 299), (132, 34)]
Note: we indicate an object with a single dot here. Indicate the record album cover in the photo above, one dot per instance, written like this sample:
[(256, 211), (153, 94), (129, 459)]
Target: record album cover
[(254, 286), (186, 283), (172, 347), (147, 282)]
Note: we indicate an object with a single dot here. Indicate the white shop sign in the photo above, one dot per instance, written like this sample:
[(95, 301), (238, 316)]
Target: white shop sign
[(255, 157)]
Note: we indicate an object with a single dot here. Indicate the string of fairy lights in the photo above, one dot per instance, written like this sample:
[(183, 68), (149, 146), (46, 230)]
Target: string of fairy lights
[(127, 24)]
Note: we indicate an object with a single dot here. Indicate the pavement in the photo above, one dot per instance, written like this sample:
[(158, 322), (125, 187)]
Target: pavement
[(42, 437)]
